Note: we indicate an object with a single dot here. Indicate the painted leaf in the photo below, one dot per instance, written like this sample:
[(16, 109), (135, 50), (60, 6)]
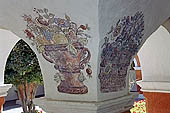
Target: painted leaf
[(81, 78), (45, 10), (67, 17), (83, 41), (72, 49), (51, 21), (40, 11), (46, 16), (88, 36), (57, 78), (51, 15)]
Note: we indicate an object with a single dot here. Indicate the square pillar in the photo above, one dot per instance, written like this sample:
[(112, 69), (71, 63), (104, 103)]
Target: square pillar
[(85, 52)]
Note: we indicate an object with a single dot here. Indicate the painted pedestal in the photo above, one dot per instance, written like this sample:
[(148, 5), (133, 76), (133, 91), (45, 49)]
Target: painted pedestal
[(119, 105)]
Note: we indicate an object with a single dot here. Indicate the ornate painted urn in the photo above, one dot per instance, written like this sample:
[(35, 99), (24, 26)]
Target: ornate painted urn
[(69, 66), (61, 42)]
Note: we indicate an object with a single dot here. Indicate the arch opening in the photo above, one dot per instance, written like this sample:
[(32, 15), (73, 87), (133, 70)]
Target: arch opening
[(23, 71), (7, 42), (154, 56)]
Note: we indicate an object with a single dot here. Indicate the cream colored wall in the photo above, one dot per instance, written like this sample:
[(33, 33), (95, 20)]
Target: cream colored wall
[(81, 12), (99, 14), (110, 11), (155, 56), (7, 42)]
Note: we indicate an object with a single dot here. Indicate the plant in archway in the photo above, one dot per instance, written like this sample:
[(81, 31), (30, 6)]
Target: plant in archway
[(23, 71)]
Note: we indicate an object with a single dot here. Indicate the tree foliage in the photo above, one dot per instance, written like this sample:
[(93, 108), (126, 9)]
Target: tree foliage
[(22, 66)]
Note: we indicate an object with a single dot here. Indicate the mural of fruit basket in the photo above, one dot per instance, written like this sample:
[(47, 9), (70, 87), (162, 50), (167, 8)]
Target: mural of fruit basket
[(61, 42)]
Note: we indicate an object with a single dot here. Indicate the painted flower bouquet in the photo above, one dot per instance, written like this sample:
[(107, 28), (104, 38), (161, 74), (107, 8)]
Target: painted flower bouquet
[(61, 42), (139, 107), (46, 29)]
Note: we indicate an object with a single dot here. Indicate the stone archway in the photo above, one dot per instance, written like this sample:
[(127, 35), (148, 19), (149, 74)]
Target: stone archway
[(102, 16), (7, 42), (154, 56)]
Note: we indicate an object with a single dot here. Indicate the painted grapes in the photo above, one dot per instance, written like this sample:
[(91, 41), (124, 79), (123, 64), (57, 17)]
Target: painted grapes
[(121, 43)]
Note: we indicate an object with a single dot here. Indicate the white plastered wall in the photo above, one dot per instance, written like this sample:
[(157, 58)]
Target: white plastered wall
[(110, 11), (155, 62), (97, 13), (7, 42), (155, 56), (81, 12)]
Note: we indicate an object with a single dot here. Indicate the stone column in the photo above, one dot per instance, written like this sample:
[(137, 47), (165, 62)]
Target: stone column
[(3, 92), (85, 55), (138, 72), (85, 48)]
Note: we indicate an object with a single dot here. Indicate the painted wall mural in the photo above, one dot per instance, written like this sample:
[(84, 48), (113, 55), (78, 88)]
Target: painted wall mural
[(121, 43), (61, 42)]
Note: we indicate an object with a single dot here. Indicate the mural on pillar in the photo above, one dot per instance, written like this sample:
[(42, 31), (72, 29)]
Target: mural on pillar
[(63, 43), (121, 43)]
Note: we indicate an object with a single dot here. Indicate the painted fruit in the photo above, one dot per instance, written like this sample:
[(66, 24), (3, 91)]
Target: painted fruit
[(60, 39), (83, 27), (88, 71)]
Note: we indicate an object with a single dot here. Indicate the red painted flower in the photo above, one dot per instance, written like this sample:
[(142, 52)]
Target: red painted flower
[(83, 27)]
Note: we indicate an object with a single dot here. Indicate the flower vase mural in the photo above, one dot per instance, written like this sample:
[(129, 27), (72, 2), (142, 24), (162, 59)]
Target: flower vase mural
[(121, 43), (63, 43)]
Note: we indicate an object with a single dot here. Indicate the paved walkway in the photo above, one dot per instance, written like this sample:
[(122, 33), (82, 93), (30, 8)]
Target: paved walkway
[(19, 110)]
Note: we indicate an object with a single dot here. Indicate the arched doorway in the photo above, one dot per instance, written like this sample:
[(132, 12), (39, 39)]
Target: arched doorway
[(8, 40), (154, 56)]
